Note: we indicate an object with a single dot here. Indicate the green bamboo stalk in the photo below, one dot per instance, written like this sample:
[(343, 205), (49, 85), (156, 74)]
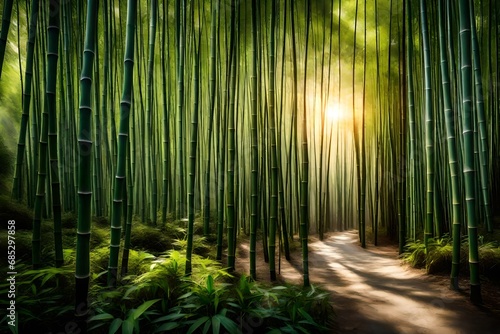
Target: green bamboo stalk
[(402, 141), (106, 165), (181, 39), (48, 121), (429, 126), (327, 207), (362, 206), (97, 167), (71, 124), (231, 216), (40, 191), (355, 133), (223, 126), (166, 114), (21, 147), (273, 208), (481, 123), (263, 198), (213, 87), (82, 272), (320, 204), (130, 198), (61, 144), (143, 126), (284, 222), (304, 182), (18, 33), (52, 58), (468, 149), (125, 106), (7, 12), (411, 109), (35, 120), (452, 153), (192, 156), (151, 158), (254, 197), (292, 146)]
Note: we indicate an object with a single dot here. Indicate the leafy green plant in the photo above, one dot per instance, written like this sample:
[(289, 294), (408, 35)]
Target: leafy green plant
[(203, 302), (246, 298), (438, 257), (200, 245), (414, 254), (164, 279), (129, 323), (158, 278), (41, 296), (299, 310), (206, 307)]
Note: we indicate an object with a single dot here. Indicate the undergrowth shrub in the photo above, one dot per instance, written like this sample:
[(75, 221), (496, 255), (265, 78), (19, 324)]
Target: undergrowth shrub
[(44, 297), (155, 296), (162, 300), (489, 259), (150, 238), (439, 256), (200, 245), (138, 262)]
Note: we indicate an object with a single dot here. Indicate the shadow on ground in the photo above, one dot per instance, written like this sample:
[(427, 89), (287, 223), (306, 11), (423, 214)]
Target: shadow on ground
[(373, 293)]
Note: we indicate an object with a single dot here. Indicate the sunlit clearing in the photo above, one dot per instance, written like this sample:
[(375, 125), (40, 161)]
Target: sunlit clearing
[(335, 112)]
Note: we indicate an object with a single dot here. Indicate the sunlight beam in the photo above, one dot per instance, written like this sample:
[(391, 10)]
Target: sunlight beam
[(334, 112)]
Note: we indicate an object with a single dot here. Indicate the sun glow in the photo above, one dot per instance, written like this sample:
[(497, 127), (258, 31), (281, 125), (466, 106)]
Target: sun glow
[(335, 112)]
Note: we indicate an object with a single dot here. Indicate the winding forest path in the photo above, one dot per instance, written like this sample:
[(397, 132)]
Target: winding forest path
[(373, 293)]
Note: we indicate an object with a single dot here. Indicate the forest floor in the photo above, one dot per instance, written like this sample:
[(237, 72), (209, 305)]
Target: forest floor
[(373, 292)]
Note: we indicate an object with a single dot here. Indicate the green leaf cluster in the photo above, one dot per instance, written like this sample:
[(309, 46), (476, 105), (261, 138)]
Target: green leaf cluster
[(163, 300)]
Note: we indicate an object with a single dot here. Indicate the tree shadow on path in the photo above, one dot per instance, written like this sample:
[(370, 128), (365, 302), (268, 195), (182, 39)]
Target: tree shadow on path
[(373, 293)]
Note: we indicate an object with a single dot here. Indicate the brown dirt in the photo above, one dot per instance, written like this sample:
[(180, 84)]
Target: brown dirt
[(373, 292)]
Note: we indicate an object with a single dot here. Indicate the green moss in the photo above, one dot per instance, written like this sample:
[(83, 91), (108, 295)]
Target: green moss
[(99, 236), (69, 220), (149, 238), (99, 259), (102, 222)]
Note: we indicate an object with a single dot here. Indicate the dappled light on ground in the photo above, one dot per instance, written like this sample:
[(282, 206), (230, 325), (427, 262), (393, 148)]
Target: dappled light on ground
[(373, 293)]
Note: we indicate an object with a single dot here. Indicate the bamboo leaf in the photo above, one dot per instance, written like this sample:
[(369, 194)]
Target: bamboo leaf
[(167, 327), (141, 309), (115, 325), (197, 324), (128, 326), (103, 316), (227, 323)]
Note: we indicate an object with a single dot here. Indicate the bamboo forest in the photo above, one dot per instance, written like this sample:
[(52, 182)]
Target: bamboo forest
[(250, 166)]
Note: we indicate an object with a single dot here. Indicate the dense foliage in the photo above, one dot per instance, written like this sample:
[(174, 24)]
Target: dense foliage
[(156, 296)]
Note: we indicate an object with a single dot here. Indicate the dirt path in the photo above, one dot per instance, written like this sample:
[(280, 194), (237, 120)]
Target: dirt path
[(373, 293)]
